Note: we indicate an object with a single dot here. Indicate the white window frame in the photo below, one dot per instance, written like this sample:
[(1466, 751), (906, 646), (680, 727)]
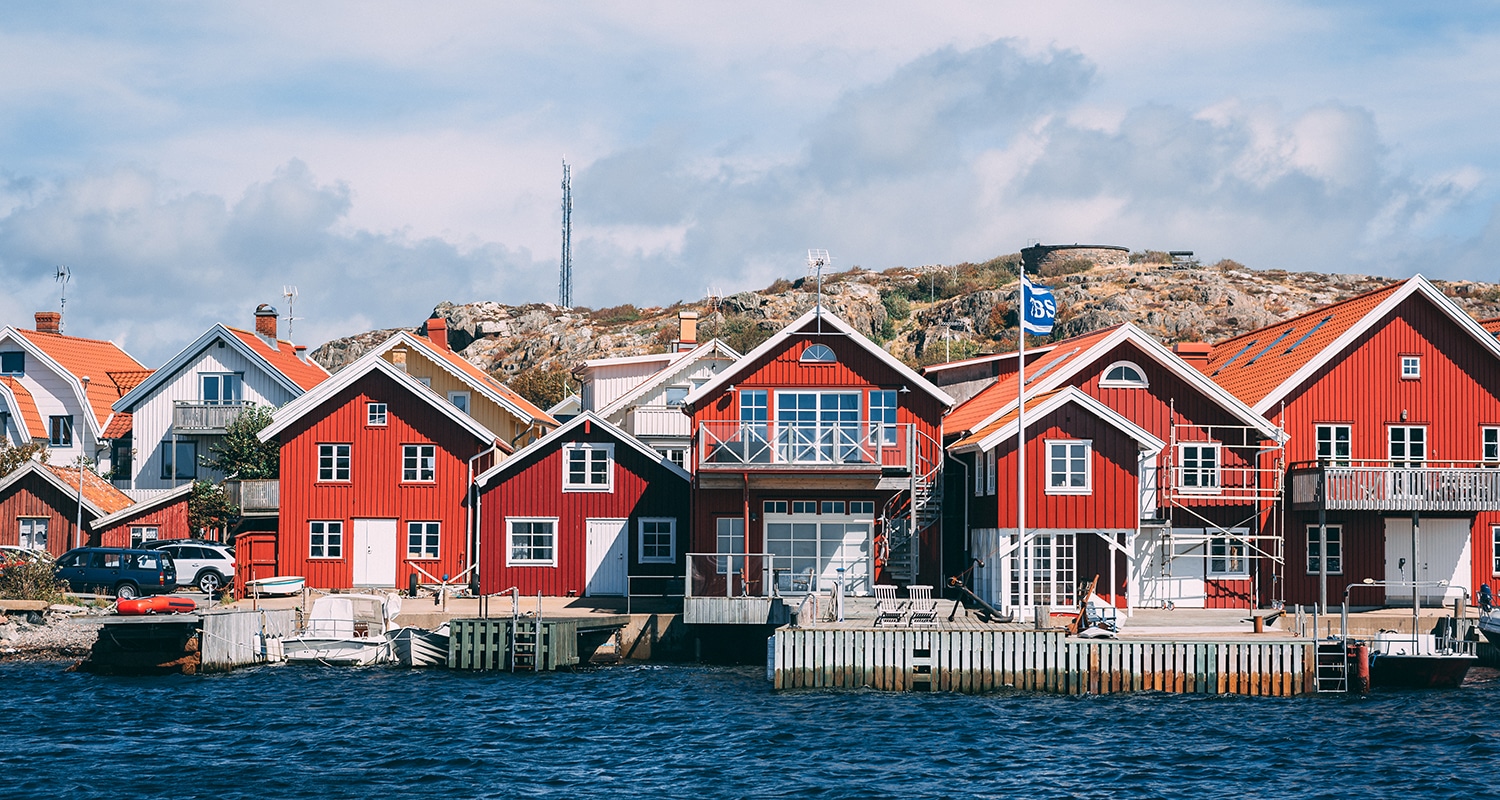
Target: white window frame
[(864, 507), (1138, 382), (1407, 459), (676, 455), (510, 542), (412, 458), (674, 395), (1489, 445), (223, 379), (427, 535), (425, 380), (992, 472), (593, 451), (729, 543), (1199, 471), (1234, 547), (981, 461), (1315, 548), (138, 534), (1326, 433), (17, 372), (1411, 368), (330, 450), (27, 538), (467, 406), (60, 430), (1495, 538), (332, 539), (671, 543), (815, 354), (1088, 466), (377, 415)]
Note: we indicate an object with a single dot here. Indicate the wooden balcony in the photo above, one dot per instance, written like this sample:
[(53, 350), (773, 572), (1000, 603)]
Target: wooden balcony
[(842, 447), (197, 419), (255, 498), (1447, 486), (659, 421)]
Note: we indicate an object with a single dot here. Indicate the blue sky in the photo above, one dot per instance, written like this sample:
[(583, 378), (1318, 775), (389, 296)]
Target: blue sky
[(187, 160)]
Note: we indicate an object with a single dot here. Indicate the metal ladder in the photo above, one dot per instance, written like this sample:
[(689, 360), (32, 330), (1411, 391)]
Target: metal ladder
[(526, 640), (1333, 665)]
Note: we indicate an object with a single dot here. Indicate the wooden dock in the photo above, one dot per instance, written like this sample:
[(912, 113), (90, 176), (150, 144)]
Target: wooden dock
[(214, 641), (972, 661), (525, 644)]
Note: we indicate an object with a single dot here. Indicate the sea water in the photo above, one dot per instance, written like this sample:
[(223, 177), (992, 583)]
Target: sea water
[(687, 731)]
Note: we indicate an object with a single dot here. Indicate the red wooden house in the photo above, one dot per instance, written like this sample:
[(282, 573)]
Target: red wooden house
[(1392, 402), (158, 517), (587, 509), (1141, 472), (39, 507), (818, 456)]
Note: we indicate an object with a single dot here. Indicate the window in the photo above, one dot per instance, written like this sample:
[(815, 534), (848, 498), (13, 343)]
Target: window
[(325, 539), (4, 427), (532, 542), (1408, 445), (1411, 367), (729, 537), (120, 455), (833, 507), (220, 390), (991, 472), (1489, 446), (804, 507), (883, 414), (375, 414), (460, 400), (819, 354), (1068, 466), (13, 363), (333, 462), (1334, 549), (1226, 557), (1333, 444), (425, 381), (588, 467), (33, 533), (1199, 467), (418, 462), (676, 395), (862, 507), (1124, 374), (981, 463), (140, 534), (1495, 536), (754, 409), (658, 540), (774, 506), (422, 540), (676, 455), (179, 460), (61, 431)]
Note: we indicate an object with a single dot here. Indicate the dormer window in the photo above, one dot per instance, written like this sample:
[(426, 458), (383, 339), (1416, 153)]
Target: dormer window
[(819, 354), (1411, 368), (676, 395), (1124, 375), (13, 363)]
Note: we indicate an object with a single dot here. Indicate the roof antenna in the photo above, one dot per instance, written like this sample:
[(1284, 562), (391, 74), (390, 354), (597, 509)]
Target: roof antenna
[(565, 266), (290, 293), (63, 276), (816, 261)]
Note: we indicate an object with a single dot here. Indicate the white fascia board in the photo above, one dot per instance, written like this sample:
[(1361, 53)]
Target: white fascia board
[(1148, 442), (562, 431), (688, 360), (156, 501), (428, 352), (90, 421), (169, 371)]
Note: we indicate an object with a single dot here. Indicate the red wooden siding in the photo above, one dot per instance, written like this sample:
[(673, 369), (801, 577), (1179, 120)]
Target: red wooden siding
[(33, 496), (254, 558), (171, 521), (374, 489), (533, 488)]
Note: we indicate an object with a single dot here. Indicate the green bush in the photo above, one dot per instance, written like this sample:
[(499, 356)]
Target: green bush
[(616, 314), (31, 580), (1067, 266), (897, 305)]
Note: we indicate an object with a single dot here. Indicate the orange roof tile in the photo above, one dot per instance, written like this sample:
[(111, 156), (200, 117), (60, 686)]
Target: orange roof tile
[(283, 357), (1002, 392), (119, 425), (1492, 325), (96, 490), (479, 375), (125, 381), (30, 417), (1005, 419), (92, 358), (1252, 365)]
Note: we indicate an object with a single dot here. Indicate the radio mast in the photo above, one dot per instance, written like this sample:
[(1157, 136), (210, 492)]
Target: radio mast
[(565, 269)]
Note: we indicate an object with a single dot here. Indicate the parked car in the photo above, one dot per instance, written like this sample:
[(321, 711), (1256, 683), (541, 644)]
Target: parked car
[(127, 573), (10, 554), (206, 565)]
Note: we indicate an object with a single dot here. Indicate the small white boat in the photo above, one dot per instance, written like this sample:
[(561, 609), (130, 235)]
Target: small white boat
[(1489, 625), (418, 647), (279, 586), (345, 630)]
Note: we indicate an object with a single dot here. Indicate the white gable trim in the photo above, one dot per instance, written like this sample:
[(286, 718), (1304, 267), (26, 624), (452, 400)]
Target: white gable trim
[(1148, 442), (91, 422), (429, 353), (172, 369), (562, 431), (688, 360), (70, 492), (831, 320), (156, 501)]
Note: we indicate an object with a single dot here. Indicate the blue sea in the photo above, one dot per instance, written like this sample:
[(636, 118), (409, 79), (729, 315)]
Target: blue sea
[(688, 731)]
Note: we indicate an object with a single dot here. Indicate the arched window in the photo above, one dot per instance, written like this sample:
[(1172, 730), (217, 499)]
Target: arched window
[(819, 354), (1124, 374)]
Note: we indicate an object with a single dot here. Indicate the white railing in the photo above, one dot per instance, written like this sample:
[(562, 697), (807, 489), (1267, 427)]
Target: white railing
[(660, 421), (204, 417), (768, 575), (1461, 486), (736, 445)]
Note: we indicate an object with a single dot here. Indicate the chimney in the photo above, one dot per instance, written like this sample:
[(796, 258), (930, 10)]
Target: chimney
[(265, 322), (687, 330), (437, 331), (48, 322), (1196, 354), (398, 357), (301, 351)]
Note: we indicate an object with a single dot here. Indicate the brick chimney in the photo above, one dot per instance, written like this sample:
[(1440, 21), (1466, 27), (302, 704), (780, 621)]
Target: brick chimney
[(1196, 354), (265, 321), (398, 358), (48, 322), (687, 331), (437, 331)]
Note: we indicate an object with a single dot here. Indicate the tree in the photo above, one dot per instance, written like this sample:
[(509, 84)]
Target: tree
[(544, 386), (15, 456), (209, 508), (240, 451)]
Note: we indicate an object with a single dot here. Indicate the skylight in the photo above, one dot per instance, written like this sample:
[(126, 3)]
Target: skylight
[(1310, 332), (1050, 364), (1241, 352), (1284, 334)]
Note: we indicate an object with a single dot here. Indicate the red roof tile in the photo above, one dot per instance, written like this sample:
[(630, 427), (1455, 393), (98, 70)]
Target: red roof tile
[(1492, 325), (96, 490), (119, 425), (283, 357), (479, 375), (1002, 392), (1005, 419), (30, 417), (92, 358)]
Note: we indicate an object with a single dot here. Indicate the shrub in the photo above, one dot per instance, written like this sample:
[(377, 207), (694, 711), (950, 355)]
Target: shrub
[(897, 306), (544, 386), (241, 451), (742, 333), (13, 457), (779, 286), (1067, 266), (616, 314), (1151, 257), (31, 580), (209, 508)]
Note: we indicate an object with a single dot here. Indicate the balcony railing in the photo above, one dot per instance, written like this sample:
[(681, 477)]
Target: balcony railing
[(201, 418), (255, 497), (856, 445), (660, 421), (1433, 486)]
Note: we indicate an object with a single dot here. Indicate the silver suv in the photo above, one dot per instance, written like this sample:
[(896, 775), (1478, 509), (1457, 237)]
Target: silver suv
[(206, 565)]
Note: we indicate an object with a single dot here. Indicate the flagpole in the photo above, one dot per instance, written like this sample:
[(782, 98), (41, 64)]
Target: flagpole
[(1024, 570)]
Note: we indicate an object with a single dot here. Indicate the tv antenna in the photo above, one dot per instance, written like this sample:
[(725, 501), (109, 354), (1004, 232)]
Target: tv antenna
[(715, 299), (565, 268), (816, 261), (62, 276), (290, 293)]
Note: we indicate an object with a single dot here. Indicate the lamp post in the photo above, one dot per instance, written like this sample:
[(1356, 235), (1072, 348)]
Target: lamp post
[(78, 526)]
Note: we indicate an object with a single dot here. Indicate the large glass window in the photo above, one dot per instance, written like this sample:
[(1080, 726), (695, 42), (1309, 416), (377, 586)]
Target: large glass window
[(1334, 549), (333, 462), (658, 540), (729, 538), (325, 538), (1068, 466), (140, 534), (1333, 444), (532, 542), (422, 540), (588, 467), (1408, 446), (179, 460), (418, 462), (221, 389), (818, 427)]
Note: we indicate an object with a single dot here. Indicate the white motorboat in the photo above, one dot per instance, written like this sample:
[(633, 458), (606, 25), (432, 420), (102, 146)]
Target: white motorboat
[(350, 630), (1489, 625), (419, 647), (279, 586)]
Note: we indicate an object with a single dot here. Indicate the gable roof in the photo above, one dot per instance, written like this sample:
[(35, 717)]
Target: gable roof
[(562, 432), (1286, 354), (281, 364), (150, 504), (19, 401), (685, 360), (75, 357), (1005, 426), (99, 496), (980, 408), (1491, 325), (987, 358), (366, 364), (829, 319), (476, 378), (120, 424)]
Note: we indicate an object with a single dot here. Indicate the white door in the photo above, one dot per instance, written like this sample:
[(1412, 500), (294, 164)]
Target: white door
[(374, 552), (607, 539), (1175, 576), (1446, 556)]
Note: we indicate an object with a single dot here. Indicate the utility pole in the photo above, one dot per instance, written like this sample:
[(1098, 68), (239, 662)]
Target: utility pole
[(565, 269)]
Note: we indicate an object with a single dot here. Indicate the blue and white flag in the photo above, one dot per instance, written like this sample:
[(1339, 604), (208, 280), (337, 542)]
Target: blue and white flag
[(1038, 309)]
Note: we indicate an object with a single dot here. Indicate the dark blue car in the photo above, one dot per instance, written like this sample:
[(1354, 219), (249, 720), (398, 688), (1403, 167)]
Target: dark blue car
[(118, 571)]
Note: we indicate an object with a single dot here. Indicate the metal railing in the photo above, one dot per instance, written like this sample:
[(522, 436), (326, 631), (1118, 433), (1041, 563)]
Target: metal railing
[(737, 445), (204, 417), (1397, 486), (768, 575)]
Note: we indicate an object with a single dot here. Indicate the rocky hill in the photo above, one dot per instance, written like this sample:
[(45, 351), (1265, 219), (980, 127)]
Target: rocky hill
[(922, 315)]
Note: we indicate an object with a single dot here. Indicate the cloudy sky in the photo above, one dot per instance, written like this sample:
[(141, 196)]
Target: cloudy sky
[(187, 160)]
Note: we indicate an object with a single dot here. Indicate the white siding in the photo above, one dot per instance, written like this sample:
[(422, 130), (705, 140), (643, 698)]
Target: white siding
[(55, 396), (607, 383)]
